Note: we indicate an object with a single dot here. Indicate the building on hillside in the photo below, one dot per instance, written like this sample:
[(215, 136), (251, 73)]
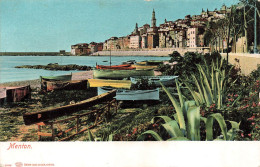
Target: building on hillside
[(112, 43), (195, 37), (100, 46), (93, 47), (135, 42), (178, 36), (80, 49), (143, 29), (126, 42), (144, 42), (152, 40)]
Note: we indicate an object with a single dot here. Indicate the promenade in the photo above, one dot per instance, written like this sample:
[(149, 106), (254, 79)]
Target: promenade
[(150, 52)]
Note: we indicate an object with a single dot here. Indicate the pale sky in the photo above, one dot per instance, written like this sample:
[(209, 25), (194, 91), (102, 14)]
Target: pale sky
[(53, 25)]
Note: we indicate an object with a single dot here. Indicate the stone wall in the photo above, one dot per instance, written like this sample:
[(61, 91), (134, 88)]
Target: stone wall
[(150, 52), (247, 62)]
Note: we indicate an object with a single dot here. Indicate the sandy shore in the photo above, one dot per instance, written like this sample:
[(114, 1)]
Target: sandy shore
[(36, 83)]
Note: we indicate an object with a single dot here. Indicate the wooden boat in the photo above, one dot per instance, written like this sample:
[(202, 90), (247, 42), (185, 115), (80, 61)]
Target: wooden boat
[(14, 94), (45, 79), (123, 94), (150, 62), (130, 62), (144, 67), (116, 67), (120, 74), (154, 62), (141, 63), (126, 84), (57, 78), (50, 114), (165, 80), (66, 85)]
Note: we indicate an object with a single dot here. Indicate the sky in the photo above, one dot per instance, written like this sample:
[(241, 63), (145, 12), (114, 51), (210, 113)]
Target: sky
[(53, 25)]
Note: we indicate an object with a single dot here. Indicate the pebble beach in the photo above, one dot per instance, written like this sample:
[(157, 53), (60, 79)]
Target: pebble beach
[(36, 83)]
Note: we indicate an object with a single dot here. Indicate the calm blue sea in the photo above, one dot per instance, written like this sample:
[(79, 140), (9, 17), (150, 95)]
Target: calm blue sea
[(9, 73)]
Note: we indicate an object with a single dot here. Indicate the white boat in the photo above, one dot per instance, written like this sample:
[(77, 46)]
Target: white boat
[(165, 80), (123, 94)]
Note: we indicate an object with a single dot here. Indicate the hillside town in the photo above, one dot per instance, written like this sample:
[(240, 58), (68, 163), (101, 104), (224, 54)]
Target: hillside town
[(190, 32)]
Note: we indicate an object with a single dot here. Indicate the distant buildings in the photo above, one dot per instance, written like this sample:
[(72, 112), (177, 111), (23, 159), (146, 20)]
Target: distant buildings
[(80, 49), (182, 33)]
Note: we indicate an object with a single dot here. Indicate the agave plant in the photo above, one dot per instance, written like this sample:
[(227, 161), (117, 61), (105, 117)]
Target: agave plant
[(102, 138), (211, 85), (186, 123)]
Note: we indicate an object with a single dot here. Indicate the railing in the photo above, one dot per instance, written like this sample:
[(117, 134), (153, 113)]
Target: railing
[(99, 115)]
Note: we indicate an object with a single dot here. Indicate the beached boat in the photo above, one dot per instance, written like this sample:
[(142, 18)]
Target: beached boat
[(116, 67), (126, 84), (154, 62), (129, 62), (14, 94), (45, 79), (66, 85), (120, 74), (150, 62), (123, 94), (165, 80), (57, 78), (144, 67), (50, 114), (141, 63)]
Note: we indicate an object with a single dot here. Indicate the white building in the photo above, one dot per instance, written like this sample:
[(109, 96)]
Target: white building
[(192, 37), (135, 42)]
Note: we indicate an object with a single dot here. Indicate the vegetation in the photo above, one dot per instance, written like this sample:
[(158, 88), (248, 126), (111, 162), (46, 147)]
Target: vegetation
[(186, 125), (237, 23)]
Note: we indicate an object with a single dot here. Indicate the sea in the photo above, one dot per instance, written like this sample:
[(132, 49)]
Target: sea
[(8, 72)]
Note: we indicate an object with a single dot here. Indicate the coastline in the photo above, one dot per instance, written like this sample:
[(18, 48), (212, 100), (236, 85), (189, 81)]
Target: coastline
[(35, 84)]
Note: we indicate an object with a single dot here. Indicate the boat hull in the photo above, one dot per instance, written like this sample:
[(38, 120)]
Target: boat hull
[(14, 94), (57, 78), (165, 80), (133, 95), (45, 79), (144, 67), (116, 67), (120, 74), (67, 85), (126, 84)]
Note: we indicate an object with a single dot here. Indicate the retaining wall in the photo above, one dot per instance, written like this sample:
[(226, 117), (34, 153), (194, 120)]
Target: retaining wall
[(247, 62), (150, 52)]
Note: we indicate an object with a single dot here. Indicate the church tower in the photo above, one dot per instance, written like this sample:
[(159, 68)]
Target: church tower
[(136, 29), (153, 21)]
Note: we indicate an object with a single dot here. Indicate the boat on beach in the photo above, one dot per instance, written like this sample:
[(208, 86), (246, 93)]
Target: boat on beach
[(126, 84), (52, 113), (116, 67), (66, 85), (133, 95), (150, 62), (14, 94), (57, 78), (45, 79), (123, 94), (144, 67), (120, 74), (165, 80)]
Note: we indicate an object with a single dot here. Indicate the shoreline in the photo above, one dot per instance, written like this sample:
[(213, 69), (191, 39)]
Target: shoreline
[(35, 83)]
